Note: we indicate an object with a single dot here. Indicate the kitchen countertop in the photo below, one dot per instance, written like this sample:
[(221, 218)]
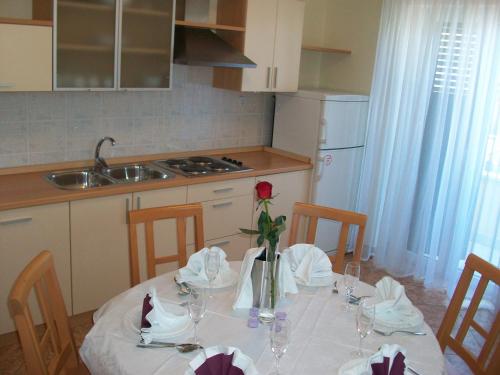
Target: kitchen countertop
[(26, 186)]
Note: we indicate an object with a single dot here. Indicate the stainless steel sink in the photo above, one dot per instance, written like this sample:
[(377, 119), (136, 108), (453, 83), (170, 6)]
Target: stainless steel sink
[(77, 180), (136, 173)]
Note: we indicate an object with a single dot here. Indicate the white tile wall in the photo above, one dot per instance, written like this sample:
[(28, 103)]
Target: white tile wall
[(52, 127)]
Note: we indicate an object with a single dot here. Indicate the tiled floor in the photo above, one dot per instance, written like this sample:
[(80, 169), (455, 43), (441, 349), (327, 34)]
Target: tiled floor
[(432, 304)]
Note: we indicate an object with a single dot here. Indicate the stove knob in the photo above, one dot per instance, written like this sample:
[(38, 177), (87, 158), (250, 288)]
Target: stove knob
[(225, 159), (239, 163)]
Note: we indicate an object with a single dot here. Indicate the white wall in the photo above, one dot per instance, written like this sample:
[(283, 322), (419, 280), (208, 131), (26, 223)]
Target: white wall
[(16, 8)]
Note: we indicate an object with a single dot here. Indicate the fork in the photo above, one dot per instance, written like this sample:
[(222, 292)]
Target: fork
[(383, 333)]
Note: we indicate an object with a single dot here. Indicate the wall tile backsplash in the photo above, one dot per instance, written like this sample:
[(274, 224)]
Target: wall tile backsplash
[(40, 128)]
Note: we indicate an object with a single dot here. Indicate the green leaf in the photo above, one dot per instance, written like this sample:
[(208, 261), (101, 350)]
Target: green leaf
[(260, 240), (249, 231)]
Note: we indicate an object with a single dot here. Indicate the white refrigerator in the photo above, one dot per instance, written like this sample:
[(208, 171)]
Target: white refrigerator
[(330, 128)]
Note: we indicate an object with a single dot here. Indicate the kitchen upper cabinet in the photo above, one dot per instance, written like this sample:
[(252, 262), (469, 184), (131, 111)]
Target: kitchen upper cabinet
[(288, 188), (128, 46), (272, 39), (24, 233), (164, 230), (25, 57), (99, 250)]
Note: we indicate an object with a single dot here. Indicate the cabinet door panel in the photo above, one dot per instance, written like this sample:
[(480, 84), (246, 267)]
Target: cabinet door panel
[(99, 250), (146, 44), (25, 58), (288, 188), (220, 189), (259, 44), (164, 230), (288, 44), (24, 233), (85, 42)]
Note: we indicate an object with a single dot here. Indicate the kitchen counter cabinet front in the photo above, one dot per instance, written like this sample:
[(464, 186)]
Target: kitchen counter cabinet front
[(24, 233), (99, 250)]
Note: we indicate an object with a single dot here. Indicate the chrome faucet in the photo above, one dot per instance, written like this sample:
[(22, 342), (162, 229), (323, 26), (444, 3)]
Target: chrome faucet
[(100, 163)]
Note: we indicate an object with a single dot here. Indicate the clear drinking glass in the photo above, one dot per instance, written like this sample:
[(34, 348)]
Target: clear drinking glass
[(350, 281), (212, 267), (280, 338), (365, 317), (197, 304)]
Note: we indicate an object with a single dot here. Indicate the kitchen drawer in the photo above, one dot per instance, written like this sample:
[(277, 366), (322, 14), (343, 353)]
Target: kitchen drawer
[(235, 246), (224, 217), (220, 190)]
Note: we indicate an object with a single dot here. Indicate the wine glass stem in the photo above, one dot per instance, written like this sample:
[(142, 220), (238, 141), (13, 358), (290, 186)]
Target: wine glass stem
[(210, 289), (195, 332), (360, 352), (277, 365)]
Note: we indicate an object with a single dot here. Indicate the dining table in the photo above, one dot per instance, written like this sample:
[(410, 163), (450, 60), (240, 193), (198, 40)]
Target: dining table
[(324, 334)]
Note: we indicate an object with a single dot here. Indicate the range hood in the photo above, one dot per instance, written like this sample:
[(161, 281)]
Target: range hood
[(202, 47)]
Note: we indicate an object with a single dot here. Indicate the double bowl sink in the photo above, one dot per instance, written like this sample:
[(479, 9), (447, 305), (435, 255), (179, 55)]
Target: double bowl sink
[(90, 178)]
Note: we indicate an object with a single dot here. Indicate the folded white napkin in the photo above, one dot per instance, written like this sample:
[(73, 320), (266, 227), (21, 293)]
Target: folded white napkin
[(244, 292), (162, 322), (194, 271), (308, 262), (393, 309), (223, 354), (375, 363)]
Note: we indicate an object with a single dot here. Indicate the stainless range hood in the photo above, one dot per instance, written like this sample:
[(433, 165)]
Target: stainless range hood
[(202, 47)]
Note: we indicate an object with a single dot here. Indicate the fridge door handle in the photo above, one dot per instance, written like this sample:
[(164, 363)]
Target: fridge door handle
[(319, 167), (322, 139)]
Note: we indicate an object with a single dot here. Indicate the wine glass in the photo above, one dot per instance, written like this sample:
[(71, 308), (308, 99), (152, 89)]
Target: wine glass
[(197, 304), (212, 267), (280, 338), (350, 281), (365, 318)]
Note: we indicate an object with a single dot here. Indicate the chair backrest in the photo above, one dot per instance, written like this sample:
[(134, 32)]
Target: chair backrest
[(57, 338), (148, 216), (347, 218), (488, 360)]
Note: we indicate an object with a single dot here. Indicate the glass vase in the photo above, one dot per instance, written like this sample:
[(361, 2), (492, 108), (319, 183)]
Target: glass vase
[(269, 286)]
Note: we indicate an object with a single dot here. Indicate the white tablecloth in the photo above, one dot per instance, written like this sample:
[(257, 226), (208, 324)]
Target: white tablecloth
[(323, 335)]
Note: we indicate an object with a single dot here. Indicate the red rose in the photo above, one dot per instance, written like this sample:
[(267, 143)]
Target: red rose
[(264, 190)]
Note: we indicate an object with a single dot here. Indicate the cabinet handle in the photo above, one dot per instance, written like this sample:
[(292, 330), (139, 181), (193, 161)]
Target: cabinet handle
[(268, 79), (224, 204), (223, 190), (6, 85), (319, 168), (16, 220), (275, 76), (221, 243), (138, 203), (322, 139)]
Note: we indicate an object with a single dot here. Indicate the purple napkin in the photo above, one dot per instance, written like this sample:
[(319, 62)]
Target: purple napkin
[(219, 364), (384, 368), (146, 308)]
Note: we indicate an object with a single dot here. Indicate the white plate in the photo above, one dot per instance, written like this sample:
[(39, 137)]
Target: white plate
[(318, 281), (355, 366), (230, 280), (409, 319), (132, 320)]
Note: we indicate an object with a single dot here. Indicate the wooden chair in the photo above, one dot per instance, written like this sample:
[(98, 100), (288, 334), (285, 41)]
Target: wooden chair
[(148, 216), (347, 218), (488, 361), (57, 338)]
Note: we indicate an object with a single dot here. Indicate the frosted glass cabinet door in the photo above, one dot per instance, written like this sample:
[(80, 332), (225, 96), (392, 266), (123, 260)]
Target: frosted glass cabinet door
[(85, 40), (146, 43)]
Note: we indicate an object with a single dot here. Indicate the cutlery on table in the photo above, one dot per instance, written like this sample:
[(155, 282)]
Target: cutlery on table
[(412, 370), (399, 331), (184, 289), (183, 348)]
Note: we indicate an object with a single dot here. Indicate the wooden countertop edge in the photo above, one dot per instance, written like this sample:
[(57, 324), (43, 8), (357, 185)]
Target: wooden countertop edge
[(147, 158), (72, 195)]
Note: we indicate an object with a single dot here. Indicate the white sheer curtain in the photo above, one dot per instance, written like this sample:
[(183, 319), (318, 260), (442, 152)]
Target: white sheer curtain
[(431, 175)]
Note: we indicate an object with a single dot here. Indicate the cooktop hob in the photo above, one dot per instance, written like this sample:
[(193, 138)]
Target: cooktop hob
[(203, 166)]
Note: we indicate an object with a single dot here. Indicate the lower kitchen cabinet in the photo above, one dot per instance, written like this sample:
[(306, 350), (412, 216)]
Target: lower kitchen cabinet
[(234, 246), (99, 250), (288, 188), (24, 233), (164, 230)]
